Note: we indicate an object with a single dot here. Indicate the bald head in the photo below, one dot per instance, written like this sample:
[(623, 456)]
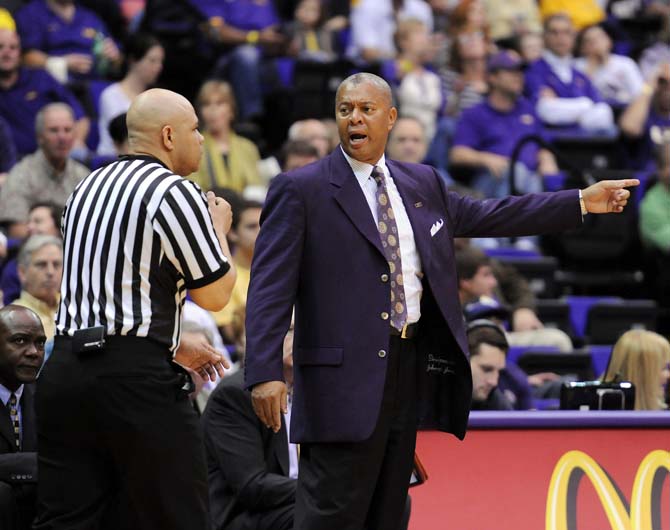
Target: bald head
[(163, 124), (367, 78), (10, 313), (151, 111)]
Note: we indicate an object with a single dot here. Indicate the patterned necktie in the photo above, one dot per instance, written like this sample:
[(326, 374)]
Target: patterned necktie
[(14, 416), (388, 231)]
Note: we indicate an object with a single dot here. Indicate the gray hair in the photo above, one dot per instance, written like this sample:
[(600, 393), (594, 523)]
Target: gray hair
[(33, 244), (367, 78), (39, 119), (297, 127)]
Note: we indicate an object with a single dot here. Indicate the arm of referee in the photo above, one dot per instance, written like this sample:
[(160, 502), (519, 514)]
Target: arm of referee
[(215, 296), (193, 237)]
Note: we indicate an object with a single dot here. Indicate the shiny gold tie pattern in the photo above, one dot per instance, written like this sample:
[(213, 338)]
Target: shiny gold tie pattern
[(14, 416), (388, 232)]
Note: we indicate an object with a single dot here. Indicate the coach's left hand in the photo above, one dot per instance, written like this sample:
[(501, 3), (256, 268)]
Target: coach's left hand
[(608, 196)]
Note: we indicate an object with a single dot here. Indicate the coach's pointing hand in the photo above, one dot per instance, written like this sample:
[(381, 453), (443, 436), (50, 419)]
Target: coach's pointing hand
[(608, 196)]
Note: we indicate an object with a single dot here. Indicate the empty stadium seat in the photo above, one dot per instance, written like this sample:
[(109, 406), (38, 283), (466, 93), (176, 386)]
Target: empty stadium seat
[(607, 321), (555, 314), (539, 271)]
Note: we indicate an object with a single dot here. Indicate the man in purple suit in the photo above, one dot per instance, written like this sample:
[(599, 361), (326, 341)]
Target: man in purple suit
[(363, 247)]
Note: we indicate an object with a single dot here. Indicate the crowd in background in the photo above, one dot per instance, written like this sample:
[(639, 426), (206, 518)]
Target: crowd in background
[(489, 92), (484, 89)]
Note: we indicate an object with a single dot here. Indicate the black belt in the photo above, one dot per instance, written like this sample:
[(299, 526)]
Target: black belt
[(408, 331)]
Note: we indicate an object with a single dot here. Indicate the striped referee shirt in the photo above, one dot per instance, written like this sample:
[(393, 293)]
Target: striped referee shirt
[(135, 237)]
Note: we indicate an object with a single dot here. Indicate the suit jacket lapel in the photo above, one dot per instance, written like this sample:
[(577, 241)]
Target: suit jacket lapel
[(350, 197), (6, 427), (416, 208)]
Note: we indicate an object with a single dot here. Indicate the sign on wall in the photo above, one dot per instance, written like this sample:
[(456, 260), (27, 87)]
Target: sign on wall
[(558, 479)]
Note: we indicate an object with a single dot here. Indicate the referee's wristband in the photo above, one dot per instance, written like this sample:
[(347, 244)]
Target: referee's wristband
[(582, 204)]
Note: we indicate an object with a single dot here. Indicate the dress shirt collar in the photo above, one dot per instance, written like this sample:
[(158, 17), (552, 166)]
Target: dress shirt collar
[(40, 305), (562, 66), (5, 394), (363, 170)]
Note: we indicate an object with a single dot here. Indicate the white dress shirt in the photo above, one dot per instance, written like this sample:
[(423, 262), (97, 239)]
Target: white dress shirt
[(411, 261), (292, 448), (562, 66)]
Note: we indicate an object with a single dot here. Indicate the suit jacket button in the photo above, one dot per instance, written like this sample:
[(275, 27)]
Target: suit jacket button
[(385, 278), (384, 315), (382, 353)]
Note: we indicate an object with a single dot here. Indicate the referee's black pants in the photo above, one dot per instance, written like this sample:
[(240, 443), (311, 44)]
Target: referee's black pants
[(119, 443), (363, 485)]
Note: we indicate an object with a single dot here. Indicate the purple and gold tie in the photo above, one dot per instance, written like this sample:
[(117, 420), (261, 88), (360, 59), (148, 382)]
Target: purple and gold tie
[(388, 231), (14, 416)]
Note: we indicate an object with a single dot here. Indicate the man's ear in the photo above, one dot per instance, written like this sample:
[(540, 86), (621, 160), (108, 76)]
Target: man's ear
[(167, 134), (232, 236), (393, 116), (22, 274)]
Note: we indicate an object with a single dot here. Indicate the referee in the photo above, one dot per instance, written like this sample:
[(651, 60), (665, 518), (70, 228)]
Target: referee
[(119, 445)]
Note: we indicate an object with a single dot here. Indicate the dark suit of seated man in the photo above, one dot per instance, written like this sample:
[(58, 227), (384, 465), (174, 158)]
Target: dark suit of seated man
[(248, 465), (21, 354), (252, 477)]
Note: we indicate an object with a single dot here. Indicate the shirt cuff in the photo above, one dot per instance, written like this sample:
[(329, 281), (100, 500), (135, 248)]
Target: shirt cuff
[(582, 204)]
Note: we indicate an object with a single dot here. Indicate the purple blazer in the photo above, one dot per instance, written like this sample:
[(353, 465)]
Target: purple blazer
[(319, 249)]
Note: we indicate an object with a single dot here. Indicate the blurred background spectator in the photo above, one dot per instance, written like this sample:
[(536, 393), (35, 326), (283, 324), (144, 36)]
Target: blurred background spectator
[(616, 77), (25, 91), (487, 133), (40, 271), (643, 358), (144, 62), (564, 95), (70, 41), (229, 160), (49, 174)]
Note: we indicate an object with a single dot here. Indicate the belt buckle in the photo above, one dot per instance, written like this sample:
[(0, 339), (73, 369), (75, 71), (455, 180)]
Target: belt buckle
[(403, 332)]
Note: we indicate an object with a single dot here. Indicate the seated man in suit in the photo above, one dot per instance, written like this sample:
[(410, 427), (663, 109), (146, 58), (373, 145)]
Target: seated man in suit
[(252, 471), (21, 354)]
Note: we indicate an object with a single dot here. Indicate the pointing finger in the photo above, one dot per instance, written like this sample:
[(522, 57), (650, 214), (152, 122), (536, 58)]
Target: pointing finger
[(623, 183)]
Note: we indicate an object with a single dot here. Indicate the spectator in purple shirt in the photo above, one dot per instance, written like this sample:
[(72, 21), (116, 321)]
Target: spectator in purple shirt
[(24, 91), (70, 41), (487, 133), (248, 30), (565, 96)]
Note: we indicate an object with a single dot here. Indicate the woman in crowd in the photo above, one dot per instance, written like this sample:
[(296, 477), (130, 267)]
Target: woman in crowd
[(229, 161), (642, 357), (465, 81), (617, 77), (144, 56)]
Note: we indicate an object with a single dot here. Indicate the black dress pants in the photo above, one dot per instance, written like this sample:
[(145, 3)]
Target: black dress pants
[(119, 442), (363, 485)]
